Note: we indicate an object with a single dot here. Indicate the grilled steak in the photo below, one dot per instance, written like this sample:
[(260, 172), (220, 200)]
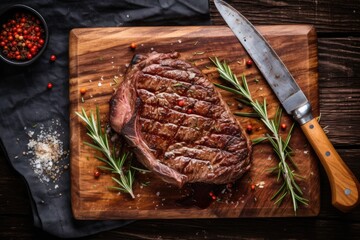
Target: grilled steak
[(177, 122)]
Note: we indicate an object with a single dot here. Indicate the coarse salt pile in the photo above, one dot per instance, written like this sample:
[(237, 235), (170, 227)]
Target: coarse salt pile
[(47, 150)]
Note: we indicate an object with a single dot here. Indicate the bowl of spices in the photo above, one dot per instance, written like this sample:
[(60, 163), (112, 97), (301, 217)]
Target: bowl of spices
[(23, 35)]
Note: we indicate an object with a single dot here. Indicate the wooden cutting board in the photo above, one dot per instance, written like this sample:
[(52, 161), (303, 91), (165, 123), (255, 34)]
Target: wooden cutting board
[(98, 56)]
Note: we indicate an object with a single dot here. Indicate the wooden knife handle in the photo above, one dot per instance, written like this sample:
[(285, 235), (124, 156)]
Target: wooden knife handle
[(344, 185)]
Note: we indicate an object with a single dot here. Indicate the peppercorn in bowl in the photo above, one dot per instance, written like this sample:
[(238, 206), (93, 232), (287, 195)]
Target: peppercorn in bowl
[(23, 35)]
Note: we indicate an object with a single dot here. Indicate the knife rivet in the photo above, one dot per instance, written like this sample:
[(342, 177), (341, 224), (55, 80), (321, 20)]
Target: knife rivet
[(311, 126), (327, 153), (347, 191)]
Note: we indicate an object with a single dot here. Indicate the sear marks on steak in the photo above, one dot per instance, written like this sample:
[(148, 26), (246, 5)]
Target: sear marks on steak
[(177, 123)]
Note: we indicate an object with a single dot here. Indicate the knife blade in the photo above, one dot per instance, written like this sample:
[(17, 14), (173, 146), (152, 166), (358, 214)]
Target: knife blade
[(344, 185)]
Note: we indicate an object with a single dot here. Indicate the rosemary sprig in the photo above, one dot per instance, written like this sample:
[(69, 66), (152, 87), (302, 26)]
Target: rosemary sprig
[(280, 146), (115, 162)]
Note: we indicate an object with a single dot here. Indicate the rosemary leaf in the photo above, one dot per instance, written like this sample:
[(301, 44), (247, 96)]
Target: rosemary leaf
[(245, 114), (273, 170), (277, 118), (229, 89), (140, 169), (93, 146), (279, 174), (117, 188), (102, 159), (278, 191), (243, 101), (258, 140), (292, 162), (297, 187), (281, 198), (105, 168)]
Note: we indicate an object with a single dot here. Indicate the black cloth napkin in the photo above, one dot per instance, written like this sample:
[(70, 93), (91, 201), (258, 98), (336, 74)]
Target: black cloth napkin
[(27, 107)]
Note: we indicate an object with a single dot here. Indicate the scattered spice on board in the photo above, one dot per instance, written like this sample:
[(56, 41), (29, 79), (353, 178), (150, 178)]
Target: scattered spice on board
[(47, 151), (249, 63), (82, 91), (260, 184), (115, 79)]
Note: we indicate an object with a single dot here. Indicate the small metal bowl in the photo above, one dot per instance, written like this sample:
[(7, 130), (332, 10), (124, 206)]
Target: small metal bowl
[(9, 13)]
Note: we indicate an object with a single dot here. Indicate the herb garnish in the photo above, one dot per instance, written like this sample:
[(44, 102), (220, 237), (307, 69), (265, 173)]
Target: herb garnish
[(280, 146), (115, 162)]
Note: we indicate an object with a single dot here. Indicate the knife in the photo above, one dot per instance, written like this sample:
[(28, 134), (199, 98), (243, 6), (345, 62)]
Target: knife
[(344, 185)]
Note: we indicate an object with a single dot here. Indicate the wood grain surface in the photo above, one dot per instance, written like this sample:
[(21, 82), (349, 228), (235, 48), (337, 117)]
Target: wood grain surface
[(337, 24), (98, 56), (319, 13)]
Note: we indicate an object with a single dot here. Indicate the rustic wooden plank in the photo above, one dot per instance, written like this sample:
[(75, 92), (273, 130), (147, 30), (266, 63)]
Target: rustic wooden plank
[(326, 16), (339, 88), (340, 111), (339, 58), (92, 201)]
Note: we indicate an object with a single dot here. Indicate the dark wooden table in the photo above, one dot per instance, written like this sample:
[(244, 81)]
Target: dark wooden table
[(338, 26)]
